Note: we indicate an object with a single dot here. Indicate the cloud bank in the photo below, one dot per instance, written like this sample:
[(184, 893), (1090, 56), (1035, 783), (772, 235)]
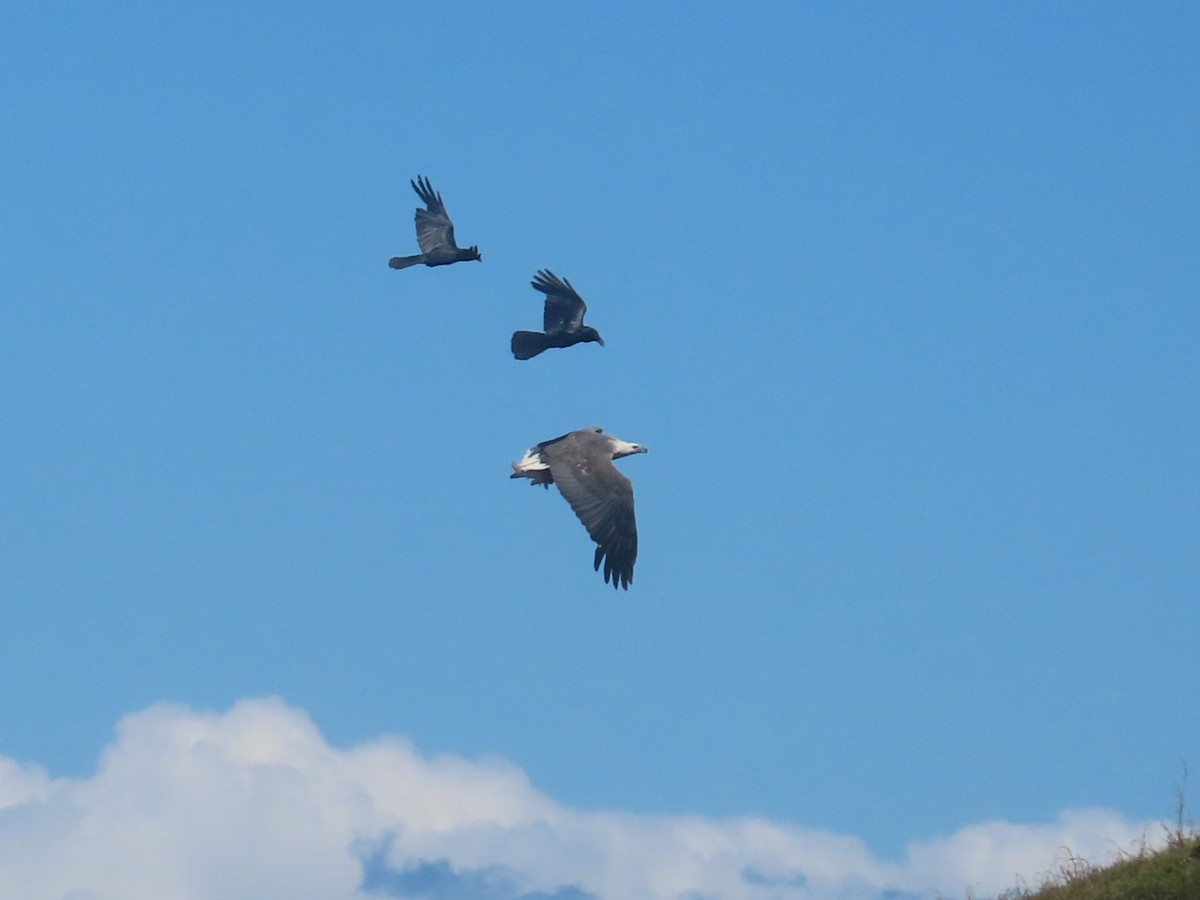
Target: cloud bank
[(253, 803)]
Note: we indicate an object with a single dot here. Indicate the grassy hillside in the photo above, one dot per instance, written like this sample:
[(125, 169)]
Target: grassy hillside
[(1169, 874)]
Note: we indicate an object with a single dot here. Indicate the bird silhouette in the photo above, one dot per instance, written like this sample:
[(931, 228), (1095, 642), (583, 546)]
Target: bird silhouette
[(435, 233), (562, 319), (581, 464)]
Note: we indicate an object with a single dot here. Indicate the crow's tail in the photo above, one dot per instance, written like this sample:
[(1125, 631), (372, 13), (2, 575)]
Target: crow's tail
[(527, 344), (403, 262)]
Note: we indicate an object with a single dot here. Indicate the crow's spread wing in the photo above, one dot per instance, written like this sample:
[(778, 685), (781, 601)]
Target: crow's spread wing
[(564, 307), (435, 231)]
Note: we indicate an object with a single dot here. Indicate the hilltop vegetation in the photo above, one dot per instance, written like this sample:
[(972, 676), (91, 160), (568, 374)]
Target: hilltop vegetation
[(1172, 873)]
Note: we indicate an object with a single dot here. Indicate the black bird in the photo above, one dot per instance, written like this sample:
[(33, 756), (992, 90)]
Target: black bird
[(435, 233), (580, 463), (562, 319)]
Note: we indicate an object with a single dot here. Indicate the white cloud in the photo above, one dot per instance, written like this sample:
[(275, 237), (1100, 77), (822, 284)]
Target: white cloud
[(254, 803)]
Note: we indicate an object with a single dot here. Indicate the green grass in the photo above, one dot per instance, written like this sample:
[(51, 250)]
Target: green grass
[(1172, 873)]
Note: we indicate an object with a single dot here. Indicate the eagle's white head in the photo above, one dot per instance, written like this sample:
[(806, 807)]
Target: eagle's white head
[(626, 448)]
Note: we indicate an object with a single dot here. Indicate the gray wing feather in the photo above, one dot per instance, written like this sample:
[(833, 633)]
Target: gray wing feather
[(435, 231), (602, 499)]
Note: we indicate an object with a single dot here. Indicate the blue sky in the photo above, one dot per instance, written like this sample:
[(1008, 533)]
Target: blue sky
[(902, 299)]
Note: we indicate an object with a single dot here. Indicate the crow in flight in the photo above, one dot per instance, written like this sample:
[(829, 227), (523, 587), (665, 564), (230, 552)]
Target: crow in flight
[(580, 463), (562, 319), (435, 233)]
